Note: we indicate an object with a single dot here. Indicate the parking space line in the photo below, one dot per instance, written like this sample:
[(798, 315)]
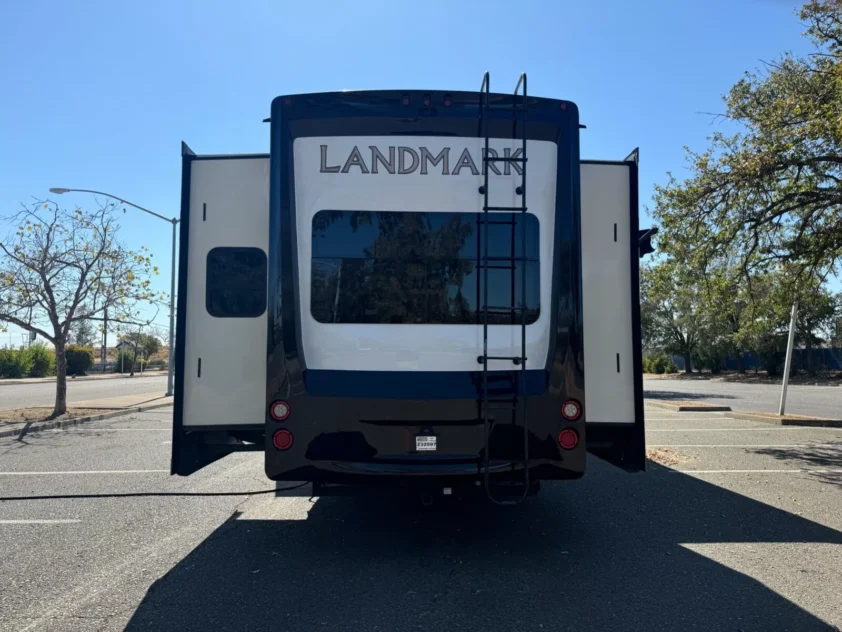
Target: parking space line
[(792, 471), (74, 472), (769, 429), (39, 521), (745, 445)]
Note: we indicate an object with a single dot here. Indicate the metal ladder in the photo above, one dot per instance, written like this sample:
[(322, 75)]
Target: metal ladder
[(512, 396)]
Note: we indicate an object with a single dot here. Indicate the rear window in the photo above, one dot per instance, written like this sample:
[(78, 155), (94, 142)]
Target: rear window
[(235, 286), (386, 267)]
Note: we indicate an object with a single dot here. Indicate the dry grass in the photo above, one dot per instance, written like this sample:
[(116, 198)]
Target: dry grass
[(42, 413), (667, 456)]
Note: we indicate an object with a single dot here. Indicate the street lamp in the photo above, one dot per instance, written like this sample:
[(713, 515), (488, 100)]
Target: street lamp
[(174, 222)]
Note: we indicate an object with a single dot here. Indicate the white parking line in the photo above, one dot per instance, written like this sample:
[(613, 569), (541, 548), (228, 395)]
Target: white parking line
[(84, 472), (770, 428), (745, 445), (39, 521), (793, 471)]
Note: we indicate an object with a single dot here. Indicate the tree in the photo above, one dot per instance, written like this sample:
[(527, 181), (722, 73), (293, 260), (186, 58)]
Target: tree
[(142, 344), (60, 267), (82, 332), (670, 313), (772, 191)]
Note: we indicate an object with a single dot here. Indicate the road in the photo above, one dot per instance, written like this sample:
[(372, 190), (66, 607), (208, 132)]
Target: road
[(824, 401), (737, 537), (44, 393)]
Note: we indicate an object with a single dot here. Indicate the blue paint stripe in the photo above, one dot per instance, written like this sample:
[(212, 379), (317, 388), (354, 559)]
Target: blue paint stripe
[(414, 384)]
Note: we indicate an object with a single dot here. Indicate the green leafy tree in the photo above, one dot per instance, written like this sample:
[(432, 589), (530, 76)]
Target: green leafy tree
[(82, 332), (670, 310), (59, 267), (143, 345), (772, 191)]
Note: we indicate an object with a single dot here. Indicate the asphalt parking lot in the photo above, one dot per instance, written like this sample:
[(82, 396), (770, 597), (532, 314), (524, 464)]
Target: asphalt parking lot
[(743, 532)]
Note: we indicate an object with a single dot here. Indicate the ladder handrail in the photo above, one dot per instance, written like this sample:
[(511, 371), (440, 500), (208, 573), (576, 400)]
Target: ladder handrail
[(484, 259)]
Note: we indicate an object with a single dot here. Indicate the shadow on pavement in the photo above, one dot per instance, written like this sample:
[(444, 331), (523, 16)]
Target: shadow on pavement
[(603, 553), (816, 456), (683, 395)]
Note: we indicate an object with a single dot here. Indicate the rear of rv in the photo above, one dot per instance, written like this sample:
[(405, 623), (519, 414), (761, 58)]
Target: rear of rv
[(352, 305)]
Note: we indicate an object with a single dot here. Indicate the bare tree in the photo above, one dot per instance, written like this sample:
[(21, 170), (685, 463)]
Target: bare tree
[(60, 267)]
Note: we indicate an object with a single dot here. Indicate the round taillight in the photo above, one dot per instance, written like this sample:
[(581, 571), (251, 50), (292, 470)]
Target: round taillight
[(288, 101), (405, 99), (568, 439), (283, 439), (571, 410), (427, 100), (448, 101), (279, 411)]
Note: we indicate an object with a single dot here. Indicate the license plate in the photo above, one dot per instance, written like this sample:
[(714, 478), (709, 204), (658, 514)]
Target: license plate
[(425, 443)]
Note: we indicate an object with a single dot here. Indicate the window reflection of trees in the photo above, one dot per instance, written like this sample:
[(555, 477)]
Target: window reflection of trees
[(412, 270)]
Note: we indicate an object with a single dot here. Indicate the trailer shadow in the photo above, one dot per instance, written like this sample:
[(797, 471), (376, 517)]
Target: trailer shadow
[(603, 553)]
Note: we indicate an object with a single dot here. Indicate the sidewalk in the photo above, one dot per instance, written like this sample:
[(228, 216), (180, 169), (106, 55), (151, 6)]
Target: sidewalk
[(88, 410), (101, 376)]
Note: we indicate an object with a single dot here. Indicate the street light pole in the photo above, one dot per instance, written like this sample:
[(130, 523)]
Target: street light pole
[(174, 222)]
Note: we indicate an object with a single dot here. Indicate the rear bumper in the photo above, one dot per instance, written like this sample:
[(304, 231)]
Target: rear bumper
[(373, 441)]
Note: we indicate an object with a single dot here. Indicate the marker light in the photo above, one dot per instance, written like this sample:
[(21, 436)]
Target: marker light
[(571, 410), (279, 410), (283, 439), (568, 438)]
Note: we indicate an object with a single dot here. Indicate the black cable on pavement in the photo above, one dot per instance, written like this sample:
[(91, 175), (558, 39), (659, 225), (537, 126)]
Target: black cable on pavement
[(151, 494)]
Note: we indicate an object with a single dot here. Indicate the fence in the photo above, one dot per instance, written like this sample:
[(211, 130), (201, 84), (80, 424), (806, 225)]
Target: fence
[(825, 358)]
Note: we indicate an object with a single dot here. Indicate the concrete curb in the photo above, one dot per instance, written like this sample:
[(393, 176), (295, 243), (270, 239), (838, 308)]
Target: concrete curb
[(690, 407), (788, 420), (75, 421)]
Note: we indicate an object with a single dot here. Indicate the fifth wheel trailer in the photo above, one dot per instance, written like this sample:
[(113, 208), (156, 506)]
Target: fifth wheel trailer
[(417, 290)]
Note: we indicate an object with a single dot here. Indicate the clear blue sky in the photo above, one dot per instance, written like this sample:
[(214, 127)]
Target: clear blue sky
[(98, 94)]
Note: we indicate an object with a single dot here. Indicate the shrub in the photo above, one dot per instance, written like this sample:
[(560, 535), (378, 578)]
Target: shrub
[(659, 362), (43, 361), (124, 361), (15, 363), (79, 359), (157, 363)]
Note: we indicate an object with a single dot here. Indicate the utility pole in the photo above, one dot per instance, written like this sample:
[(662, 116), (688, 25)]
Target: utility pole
[(103, 352), (788, 362)]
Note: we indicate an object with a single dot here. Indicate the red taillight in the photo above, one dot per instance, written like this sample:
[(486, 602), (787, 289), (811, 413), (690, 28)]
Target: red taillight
[(288, 101), (448, 101), (283, 439), (405, 99), (427, 100), (568, 439), (571, 410), (279, 410), (562, 105)]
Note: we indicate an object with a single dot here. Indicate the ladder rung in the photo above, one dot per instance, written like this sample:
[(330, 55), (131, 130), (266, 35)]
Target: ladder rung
[(510, 222), (519, 359), (508, 209), (498, 308), (512, 259), (504, 158), (480, 266)]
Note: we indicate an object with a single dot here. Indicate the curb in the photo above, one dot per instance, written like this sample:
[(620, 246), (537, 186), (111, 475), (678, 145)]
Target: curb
[(75, 421), (690, 407), (788, 420)]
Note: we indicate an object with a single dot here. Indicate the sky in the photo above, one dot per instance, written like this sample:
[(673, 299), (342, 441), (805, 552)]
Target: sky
[(99, 94)]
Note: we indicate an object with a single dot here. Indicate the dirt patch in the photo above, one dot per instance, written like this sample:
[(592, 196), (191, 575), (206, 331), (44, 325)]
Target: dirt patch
[(38, 414), (667, 456)]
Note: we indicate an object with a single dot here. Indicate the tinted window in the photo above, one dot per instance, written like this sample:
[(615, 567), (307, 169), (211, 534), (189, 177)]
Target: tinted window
[(394, 267), (236, 282)]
